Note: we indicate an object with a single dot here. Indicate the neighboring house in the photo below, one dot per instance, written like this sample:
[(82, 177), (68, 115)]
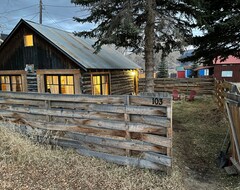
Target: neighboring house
[(228, 70), (204, 71), (180, 72), (43, 59), (184, 69), (200, 71), (188, 71)]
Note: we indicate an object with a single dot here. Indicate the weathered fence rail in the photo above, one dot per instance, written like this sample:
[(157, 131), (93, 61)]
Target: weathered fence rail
[(129, 130), (221, 89), (233, 110), (203, 86)]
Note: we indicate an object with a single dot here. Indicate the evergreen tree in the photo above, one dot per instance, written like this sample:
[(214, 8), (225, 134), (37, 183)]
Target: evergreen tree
[(162, 70), (220, 22), (143, 26)]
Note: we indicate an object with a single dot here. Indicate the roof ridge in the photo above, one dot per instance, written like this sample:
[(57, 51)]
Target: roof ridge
[(47, 26)]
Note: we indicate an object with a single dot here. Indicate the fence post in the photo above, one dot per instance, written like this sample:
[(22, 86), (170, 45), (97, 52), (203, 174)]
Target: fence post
[(47, 106), (127, 119), (235, 138)]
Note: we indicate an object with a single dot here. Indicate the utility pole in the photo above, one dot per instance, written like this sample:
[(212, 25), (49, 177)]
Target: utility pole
[(40, 12)]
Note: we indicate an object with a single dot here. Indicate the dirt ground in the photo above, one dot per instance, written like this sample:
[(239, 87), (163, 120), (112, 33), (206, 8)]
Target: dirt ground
[(199, 129)]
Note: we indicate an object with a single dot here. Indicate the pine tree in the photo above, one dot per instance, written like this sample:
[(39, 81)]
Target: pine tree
[(162, 70), (143, 26), (220, 22)]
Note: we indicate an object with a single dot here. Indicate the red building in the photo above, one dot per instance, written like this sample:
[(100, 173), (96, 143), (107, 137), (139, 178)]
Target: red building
[(228, 70)]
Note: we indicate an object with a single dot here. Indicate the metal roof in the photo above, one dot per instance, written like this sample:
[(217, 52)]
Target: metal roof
[(80, 49)]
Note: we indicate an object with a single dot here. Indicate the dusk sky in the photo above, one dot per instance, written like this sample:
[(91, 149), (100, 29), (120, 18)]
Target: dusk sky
[(56, 13)]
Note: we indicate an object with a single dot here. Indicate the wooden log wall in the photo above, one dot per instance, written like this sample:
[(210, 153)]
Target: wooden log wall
[(128, 130), (203, 86), (232, 105), (121, 82)]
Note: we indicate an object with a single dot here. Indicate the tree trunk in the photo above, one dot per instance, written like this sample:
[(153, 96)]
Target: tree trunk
[(149, 43)]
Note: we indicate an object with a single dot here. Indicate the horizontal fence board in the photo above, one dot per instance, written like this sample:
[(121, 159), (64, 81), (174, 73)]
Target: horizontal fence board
[(158, 158), (64, 142), (152, 120), (59, 112), (21, 102), (117, 143), (111, 99), (137, 162), (158, 140)]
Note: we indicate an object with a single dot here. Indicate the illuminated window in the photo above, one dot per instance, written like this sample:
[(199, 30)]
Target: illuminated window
[(11, 83), (28, 40), (100, 84), (59, 84)]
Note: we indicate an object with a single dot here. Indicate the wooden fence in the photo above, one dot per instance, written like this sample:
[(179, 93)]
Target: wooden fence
[(221, 89), (232, 105), (228, 100), (203, 86), (128, 130)]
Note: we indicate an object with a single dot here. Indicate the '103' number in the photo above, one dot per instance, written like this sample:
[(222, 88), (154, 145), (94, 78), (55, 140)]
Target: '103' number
[(157, 101)]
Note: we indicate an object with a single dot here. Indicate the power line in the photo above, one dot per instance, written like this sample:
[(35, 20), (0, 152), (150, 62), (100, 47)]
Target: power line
[(60, 6), (19, 19), (53, 20), (18, 9)]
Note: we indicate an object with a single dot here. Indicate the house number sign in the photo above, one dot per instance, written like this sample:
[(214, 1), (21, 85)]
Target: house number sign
[(157, 101)]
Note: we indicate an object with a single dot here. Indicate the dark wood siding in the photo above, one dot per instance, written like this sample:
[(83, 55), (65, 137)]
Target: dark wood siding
[(234, 67), (14, 56)]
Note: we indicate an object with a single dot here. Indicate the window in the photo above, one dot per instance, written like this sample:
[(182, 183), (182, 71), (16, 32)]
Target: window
[(11, 83), (227, 73), (59, 84), (28, 40), (100, 84)]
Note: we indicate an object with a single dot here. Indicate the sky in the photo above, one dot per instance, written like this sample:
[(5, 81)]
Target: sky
[(56, 13)]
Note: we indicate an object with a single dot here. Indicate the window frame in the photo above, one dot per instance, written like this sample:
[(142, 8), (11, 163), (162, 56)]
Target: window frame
[(11, 83), (101, 84), (227, 73), (75, 72), (59, 82)]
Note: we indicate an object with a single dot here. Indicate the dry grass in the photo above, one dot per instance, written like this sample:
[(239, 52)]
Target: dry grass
[(25, 165), (198, 134), (200, 129)]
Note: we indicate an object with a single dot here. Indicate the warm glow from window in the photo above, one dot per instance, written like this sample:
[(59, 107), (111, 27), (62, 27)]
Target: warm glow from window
[(11, 83), (28, 40), (59, 84), (100, 84)]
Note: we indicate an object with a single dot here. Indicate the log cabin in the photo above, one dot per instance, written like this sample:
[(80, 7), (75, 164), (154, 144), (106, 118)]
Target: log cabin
[(39, 58)]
